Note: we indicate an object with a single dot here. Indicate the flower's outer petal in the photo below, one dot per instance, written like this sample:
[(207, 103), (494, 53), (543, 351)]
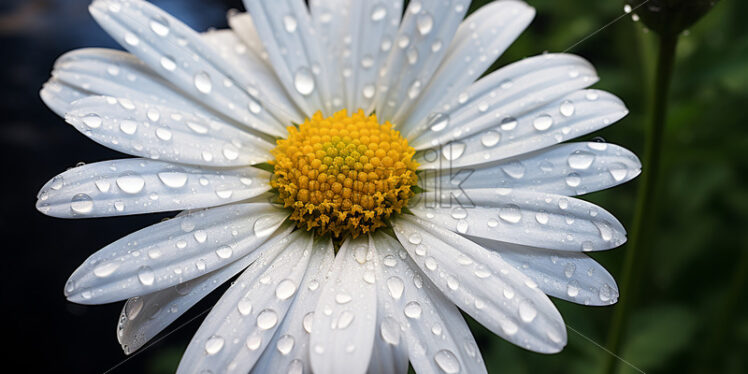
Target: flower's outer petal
[(108, 72), (524, 217), (570, 276), (158, 132), (58, 95), (345, 319), (504, 94), (137, 185), (566, 169), (360, 35), (479, 41), (255, 75), (143, 317), (180, 55), (385, 357), (486, 287), (420, 45), (244, 27), (172, 252), (296, 54), (289, 349), (416, 314), (531, 131), (240, 325)]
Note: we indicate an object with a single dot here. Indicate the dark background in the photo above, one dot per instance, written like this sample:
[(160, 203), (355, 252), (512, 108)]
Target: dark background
[(691, 313)]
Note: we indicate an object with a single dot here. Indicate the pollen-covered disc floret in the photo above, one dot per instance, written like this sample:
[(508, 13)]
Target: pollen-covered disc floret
[(343, 174)]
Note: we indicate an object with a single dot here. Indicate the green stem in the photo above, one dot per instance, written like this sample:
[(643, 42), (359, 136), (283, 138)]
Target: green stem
[(645, 213)]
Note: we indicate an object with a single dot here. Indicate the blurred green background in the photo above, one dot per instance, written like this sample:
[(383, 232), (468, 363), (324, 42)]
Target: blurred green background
[(688, 313)]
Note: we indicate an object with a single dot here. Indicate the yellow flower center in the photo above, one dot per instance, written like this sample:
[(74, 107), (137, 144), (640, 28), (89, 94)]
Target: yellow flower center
[(343, 174)]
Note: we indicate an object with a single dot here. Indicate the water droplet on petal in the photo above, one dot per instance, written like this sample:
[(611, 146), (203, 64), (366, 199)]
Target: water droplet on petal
[(395, 286), (81, 204), (447, 361), (146, 276), (286, 288), (130, 182), (413, 310), (527, 311), (304, 81), (267, 319), (285, 344), (203, 83)]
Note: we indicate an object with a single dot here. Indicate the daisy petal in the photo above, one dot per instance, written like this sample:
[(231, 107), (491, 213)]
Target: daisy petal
[(570, 276), (345, 319), (295, 52), (143, 317), (565, 169), (58, 95), (418, 49), (360, 34), (292, 338), (238, 328), (172, 252), (505, 93), (386, 358), (483, 285), (479, 41), (244, 27), (255, 75), (160, 132), (416, 314), (525, 217), (528, 132), (168, 47), (107, 72), (133, 186)]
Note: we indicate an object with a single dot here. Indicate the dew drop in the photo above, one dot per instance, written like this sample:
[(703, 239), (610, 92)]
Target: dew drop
[(510, 213), (304, 81), (267, 319), (128, 126), (214, 345), (378, 13), (286, 288), (285, 344), (453, 151), (542, 122), (168, 63), (567, 108), (581, 160), (131, 39), (290, 23), (160, 26), (527, 311), (425, 23), (130, 182), (173, 178), (81, 204), (92, 120), (106, 269), (253, 342), (224, 251), (490, 138), (413, 310), (438, 121), (447, 361), (395, 286), (146, 276), (203, 83)]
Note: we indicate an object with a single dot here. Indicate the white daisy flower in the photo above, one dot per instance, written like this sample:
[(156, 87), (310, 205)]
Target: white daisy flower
[(356, 236)]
